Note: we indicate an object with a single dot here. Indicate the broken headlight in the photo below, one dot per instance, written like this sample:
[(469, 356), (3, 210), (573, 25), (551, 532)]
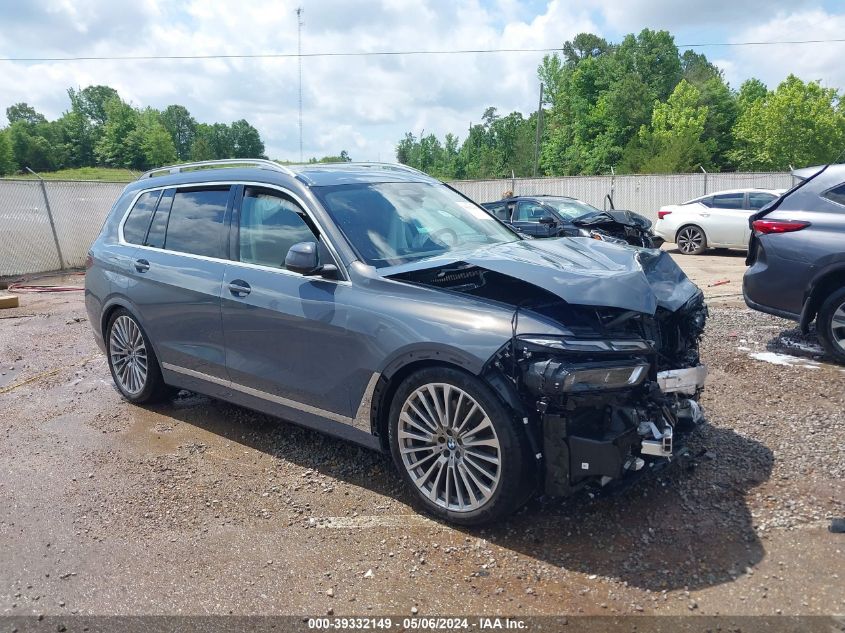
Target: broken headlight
[(551, 377)]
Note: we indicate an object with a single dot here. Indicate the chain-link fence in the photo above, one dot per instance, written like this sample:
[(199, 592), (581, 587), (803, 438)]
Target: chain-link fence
[(49, 225)]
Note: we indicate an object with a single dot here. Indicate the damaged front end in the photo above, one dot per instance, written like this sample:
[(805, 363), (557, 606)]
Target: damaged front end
[(612, 408), (613, 391)]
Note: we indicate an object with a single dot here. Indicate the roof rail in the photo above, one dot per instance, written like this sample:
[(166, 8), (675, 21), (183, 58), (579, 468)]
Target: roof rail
[(395, 166), (226, 162)]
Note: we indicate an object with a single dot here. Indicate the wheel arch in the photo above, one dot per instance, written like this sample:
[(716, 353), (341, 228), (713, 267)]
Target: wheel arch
[(820, 287), (389, 383)]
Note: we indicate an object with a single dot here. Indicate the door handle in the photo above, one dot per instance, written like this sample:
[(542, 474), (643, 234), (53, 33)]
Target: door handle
[(142, 265), (239, 288)]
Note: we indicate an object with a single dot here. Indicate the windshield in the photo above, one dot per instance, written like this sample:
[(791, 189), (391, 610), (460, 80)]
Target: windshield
[(390, 223), (570, 208)]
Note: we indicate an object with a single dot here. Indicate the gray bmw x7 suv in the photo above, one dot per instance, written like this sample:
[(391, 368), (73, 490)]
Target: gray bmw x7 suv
[(377, 304)]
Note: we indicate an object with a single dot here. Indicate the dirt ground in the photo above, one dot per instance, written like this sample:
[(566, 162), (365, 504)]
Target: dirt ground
[(200, 507)]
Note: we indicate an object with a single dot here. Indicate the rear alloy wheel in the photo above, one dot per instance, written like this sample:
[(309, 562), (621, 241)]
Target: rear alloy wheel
[(691, 240), (132, 361), (456, 446), (831, 325)]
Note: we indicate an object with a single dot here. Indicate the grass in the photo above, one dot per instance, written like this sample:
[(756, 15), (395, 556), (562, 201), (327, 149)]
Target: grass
[(108, 174)]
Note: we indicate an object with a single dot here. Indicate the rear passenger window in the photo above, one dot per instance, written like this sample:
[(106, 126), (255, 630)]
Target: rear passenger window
[(135, 226), (837, 194), (196, 222), (269, 225), (728, 201)]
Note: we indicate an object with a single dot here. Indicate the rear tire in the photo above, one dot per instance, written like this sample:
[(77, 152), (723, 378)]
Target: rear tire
[(691, 240), (132, 361), (830, 325), (457, 447)]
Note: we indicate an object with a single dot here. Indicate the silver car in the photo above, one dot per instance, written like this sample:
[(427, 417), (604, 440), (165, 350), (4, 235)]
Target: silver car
[(377, 304)]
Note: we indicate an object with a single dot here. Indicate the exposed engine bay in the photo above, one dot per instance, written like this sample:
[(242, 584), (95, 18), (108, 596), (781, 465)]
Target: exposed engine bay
[(613, 399)]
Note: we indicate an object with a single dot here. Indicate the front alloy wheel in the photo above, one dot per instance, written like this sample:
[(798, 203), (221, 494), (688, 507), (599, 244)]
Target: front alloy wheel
[(458, 446), (691, 240), (449, 447)]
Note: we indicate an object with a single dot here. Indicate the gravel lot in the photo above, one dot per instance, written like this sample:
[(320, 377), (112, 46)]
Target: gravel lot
[(200, 507)]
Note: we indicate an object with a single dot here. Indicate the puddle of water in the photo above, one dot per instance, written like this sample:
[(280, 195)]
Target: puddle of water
[(785, 360)]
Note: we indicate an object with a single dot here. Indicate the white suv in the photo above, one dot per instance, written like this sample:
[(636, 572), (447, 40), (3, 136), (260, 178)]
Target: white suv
[(717, 220)]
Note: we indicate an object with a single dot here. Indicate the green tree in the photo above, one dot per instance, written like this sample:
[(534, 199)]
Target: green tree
[(92, 102), (798, 124), (245, 141), (119, 146), (674, 142), (182, 129), (25, 113), (7, 156)]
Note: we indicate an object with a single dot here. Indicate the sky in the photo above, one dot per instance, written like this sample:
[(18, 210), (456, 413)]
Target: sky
[(366, 104)]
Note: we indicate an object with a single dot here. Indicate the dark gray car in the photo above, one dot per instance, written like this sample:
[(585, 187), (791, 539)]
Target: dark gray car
[(796, 256), (379, 305)]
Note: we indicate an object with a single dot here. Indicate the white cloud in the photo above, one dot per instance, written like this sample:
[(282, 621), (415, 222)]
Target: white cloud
[(361, 104), (772, 64), (633, 15)]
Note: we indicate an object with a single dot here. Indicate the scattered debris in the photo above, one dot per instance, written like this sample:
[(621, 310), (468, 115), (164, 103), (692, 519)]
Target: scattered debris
[(721, 282), (9, 301)]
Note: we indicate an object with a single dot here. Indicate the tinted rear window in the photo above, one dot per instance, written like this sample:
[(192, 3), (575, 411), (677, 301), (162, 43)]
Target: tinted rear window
[(135, 227), (196, 222)]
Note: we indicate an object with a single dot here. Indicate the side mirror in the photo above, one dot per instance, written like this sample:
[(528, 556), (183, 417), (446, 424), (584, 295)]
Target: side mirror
[(303, 258), (548, 220)]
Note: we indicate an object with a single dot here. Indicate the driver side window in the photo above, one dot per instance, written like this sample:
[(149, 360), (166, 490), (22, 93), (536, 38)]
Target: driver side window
[(269, 225), (530, 212)]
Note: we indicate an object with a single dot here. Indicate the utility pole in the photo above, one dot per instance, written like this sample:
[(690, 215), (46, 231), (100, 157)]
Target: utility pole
[(537, 132), (299, 61)]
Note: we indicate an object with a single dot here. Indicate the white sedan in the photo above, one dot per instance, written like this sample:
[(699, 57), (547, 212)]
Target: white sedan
[(717, 220)]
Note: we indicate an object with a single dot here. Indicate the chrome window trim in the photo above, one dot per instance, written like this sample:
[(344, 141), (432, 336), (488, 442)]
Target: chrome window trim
[(231, 183), (361, 421)]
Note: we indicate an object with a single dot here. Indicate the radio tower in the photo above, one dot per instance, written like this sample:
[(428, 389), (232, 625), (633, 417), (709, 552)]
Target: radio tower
[(299, 60)]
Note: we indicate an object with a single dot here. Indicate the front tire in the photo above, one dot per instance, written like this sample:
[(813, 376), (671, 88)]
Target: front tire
[(132, 361), (691, 240), (457, 447), (830, 325)]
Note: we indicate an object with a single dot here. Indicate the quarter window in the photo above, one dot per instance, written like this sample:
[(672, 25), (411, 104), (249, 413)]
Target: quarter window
[(728, 201), (269, 225), (196, 222), (837, 194), (158, 227), (135, 227)]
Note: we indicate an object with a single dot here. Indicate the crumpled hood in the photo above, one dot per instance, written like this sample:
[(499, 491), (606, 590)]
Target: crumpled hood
[(581, 271), (618, 216)]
